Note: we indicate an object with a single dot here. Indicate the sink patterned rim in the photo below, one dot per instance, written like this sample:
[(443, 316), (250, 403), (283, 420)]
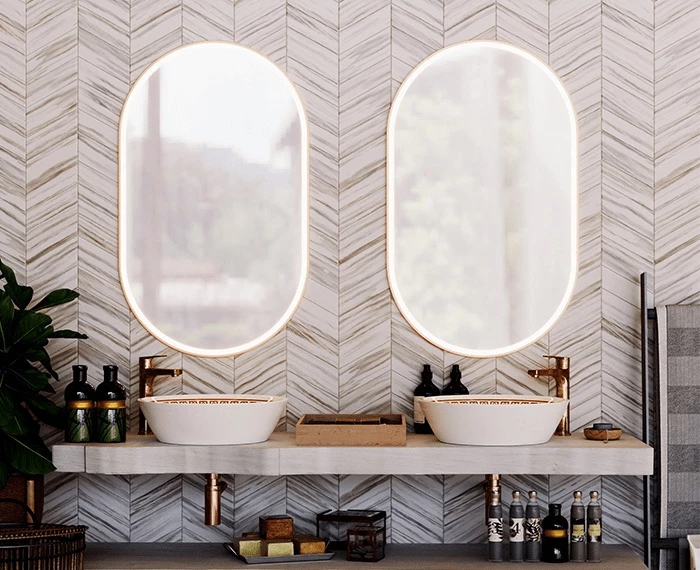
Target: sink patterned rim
[(495, 400), (211, 400)]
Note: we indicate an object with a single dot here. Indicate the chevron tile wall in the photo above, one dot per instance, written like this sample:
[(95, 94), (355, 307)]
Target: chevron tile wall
[(629, 66)]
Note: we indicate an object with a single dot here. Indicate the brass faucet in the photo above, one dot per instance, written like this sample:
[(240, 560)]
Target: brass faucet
[(147, 374), (560, 373), (212, 499)]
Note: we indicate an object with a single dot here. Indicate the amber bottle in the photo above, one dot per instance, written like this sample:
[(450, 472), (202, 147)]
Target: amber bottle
[(555, 536)]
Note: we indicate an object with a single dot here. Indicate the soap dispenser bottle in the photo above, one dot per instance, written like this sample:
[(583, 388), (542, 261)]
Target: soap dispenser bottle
[(533, 529), (578, 529), (425, 389), (110, 399), (517, 529), (594, 520), (80, 403), (454, 386)]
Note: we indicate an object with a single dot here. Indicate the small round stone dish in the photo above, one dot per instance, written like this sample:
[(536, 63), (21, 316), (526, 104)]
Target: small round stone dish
[(494, 419), (213, 419), (603, 432)]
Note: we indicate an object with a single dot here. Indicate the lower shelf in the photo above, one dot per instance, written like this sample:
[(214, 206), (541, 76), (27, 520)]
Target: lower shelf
[(158, 556)]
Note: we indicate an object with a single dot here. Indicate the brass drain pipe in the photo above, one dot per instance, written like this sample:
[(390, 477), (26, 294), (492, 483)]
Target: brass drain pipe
[(212, 499), (492, 486)]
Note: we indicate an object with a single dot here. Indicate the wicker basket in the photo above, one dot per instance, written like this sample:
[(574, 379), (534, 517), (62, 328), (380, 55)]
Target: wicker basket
[(42, 546)]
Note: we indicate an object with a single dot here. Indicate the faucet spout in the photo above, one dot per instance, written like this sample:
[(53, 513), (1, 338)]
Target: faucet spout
[(147, 375), (560, 374)]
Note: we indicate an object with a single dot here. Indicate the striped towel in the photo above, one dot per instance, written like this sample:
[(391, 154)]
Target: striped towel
[(679, 422)]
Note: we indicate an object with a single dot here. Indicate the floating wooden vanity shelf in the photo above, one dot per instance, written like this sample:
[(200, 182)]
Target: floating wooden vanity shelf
[(423, 455)]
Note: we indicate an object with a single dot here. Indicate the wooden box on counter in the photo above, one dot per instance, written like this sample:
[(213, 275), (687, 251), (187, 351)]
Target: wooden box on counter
[(351, 430)]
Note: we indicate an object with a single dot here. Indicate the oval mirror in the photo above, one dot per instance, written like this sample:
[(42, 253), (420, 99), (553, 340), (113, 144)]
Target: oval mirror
[(482, 198), (213, 199)]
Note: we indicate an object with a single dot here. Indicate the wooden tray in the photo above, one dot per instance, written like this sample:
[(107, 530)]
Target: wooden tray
[(279, 559), (351, 430)]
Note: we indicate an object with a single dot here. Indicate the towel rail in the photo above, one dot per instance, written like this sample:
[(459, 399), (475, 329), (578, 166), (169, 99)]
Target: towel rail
[(645, 316)]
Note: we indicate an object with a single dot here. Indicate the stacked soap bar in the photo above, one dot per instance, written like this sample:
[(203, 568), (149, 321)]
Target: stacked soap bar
[(276, 538)]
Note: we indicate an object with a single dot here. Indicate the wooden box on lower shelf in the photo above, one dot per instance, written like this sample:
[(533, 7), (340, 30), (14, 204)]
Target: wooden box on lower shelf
[(351, 430)]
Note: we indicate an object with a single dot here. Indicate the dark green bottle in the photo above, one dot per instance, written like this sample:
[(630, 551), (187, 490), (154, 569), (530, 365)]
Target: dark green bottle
[(110, 413), (454, 386), (80, 405), (555, 536)]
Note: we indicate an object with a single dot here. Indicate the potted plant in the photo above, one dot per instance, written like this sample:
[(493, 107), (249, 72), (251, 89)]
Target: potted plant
[(25, 373)]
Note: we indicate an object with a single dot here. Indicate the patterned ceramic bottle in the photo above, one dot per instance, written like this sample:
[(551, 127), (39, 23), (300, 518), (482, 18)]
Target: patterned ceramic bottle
[(495, 529), (517, 529), (533, 529)]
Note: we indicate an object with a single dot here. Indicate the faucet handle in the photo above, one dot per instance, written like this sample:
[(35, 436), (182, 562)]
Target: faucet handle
[(561, 361), (149, 359)]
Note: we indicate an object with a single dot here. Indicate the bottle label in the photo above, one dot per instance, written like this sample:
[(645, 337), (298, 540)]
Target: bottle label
[(555, 533), (594, 531), (533, 530), (517, 530), (78, 425), (495, 530), (111, 425), (578, 532), (418, 415)]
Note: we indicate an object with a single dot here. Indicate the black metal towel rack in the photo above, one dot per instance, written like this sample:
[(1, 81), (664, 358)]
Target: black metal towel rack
[(646, 315)]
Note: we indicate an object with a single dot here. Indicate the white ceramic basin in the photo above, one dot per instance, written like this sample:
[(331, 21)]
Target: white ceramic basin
[(213, 419), (493, 420)]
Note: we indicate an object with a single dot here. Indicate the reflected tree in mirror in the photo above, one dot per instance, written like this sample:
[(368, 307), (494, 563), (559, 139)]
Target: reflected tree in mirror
[(482, 206), (213, 199)]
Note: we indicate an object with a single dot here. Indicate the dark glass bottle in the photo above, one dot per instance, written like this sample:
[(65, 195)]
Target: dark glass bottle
[(594, 518), (454, 386), (555, 536), (425, 389), (110, 414), (80, 403), (578, 529)]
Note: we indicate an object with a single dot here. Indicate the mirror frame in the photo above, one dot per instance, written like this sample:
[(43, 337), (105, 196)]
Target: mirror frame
[(391, 206), (122, 216)]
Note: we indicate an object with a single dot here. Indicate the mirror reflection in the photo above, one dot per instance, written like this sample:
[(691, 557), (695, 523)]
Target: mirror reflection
[(213, 199), (482, 198)]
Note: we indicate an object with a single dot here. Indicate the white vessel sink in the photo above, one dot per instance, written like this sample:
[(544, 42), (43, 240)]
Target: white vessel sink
[(213, 419), (494, 420)]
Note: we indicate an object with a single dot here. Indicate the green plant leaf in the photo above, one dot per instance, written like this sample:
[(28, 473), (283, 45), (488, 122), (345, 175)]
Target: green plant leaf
[(46, 411), (35, 379), (7, 273), (57, 297), (28, 454), (31, 327), (7, 408), (20, 423), (65, 333), (20, 295), (40, 355), (7, 314)]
